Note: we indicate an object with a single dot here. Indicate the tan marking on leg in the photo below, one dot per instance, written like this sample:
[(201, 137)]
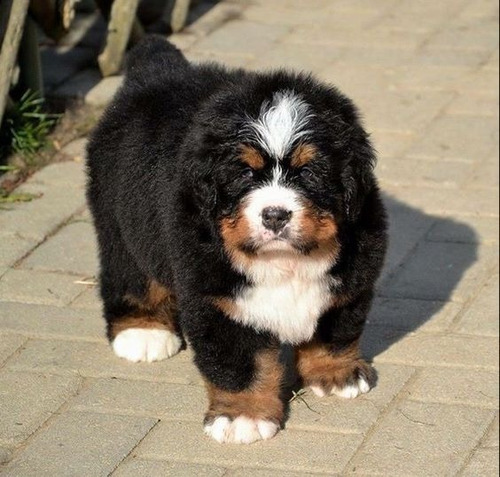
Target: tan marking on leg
[(318, 367), (303, 154), (156, 310), (261, 401)]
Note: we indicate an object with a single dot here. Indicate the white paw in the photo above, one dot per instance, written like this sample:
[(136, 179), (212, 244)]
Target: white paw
[(348, 392), (352, 390), (140, 344), (241, 430)]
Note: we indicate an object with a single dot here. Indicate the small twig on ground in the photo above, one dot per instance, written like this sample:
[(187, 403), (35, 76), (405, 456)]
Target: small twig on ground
[(298, 395)]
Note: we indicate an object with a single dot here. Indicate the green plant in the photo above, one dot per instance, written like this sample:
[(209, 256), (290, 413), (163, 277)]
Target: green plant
[(26, 127)]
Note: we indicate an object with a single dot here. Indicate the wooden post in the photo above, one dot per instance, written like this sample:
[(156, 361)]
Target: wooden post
[(10, 44), (179, 14), (119, 28)]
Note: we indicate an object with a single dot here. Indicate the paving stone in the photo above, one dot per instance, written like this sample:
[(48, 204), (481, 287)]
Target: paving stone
[(484, 80), (102, 93), (442, 271), (413, 315), (23, 412), (375, 37), (326, 452), (243, 38), (407, 226), (97, 360), (451, 58), (58, 450), (456, 386), (76, 150), (415, 439), (155, 399), (481, 318), (390, 144), (320, 17), (447, 202), (135, 467), (491, 438), (483, 462), (334, 414), (297, 57), (9, 344), (36, 219), (403, 171), (28, 286), (89, 299), (73, 249), (479, 229), (474, 105), (5, 454), (14, 248), (395, 346), (68, 174), (467, 33), (267, 473), (52, 322), (408, 111), (486, 176), (469, 138), (364, 55), (432, 78)]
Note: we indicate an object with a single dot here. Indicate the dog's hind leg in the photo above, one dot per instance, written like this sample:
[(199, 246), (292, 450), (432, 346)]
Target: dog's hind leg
[(140, 312)]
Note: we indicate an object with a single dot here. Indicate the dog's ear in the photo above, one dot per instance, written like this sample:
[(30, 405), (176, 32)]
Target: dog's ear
[(357, 176)]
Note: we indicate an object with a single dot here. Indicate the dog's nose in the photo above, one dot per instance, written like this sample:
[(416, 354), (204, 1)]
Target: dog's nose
[(275, 218)]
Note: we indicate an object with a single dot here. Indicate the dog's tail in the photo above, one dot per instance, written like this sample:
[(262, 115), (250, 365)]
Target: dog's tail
[(152, 57)]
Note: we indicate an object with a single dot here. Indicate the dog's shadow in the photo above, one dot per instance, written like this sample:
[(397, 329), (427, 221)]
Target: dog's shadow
[(426, 260)]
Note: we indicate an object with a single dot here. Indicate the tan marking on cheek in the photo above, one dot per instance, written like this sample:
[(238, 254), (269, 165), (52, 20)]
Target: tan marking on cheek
[(262, 400), (251, 157), (303, 154), (235, 233), (320, 230)]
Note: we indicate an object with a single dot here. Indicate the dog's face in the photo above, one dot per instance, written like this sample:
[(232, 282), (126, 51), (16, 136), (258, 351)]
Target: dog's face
[(284, 178)]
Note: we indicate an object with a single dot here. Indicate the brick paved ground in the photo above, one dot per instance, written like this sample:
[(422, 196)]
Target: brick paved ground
[(425, 74)]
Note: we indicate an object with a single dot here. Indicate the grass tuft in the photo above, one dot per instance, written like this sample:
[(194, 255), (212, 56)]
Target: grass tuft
[(26, 127)]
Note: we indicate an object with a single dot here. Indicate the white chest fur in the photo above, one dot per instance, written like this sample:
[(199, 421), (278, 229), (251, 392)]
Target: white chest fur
[(287, 297)]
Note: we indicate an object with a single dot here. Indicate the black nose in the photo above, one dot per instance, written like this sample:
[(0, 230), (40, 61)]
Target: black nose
[(275, 218)]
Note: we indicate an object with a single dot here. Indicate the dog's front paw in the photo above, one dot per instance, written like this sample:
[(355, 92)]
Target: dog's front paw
[(347, 383), (240, 430), (144, 344)]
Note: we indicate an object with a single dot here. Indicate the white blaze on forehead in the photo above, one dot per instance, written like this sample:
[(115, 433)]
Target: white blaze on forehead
[(282, 122)]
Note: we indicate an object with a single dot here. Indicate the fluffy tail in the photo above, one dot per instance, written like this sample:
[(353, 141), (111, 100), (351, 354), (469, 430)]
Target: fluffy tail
[(151, 57)]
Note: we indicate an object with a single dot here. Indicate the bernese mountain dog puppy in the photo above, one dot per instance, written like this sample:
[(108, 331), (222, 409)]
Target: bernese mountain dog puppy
[(238, 210)]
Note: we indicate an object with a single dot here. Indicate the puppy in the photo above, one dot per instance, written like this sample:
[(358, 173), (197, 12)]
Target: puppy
[(239, 210)]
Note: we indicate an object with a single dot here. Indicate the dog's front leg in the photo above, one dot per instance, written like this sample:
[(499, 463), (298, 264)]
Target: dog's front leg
[(331, 362), (243, 376)]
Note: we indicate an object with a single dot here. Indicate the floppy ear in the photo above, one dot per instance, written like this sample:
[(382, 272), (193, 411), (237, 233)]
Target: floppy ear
[(357, 177)]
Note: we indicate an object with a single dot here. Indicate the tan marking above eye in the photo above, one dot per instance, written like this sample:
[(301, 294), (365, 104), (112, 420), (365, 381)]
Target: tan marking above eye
[(303, 154), (251, 157)]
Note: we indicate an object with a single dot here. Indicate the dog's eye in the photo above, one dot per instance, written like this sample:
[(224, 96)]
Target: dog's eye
[(247, 173), (306, 173)]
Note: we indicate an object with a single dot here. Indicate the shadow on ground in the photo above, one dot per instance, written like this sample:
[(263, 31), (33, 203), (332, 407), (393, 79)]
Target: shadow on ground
[(427, 258)]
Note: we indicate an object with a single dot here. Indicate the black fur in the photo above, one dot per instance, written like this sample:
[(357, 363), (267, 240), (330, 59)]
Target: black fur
[(162, 172)]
